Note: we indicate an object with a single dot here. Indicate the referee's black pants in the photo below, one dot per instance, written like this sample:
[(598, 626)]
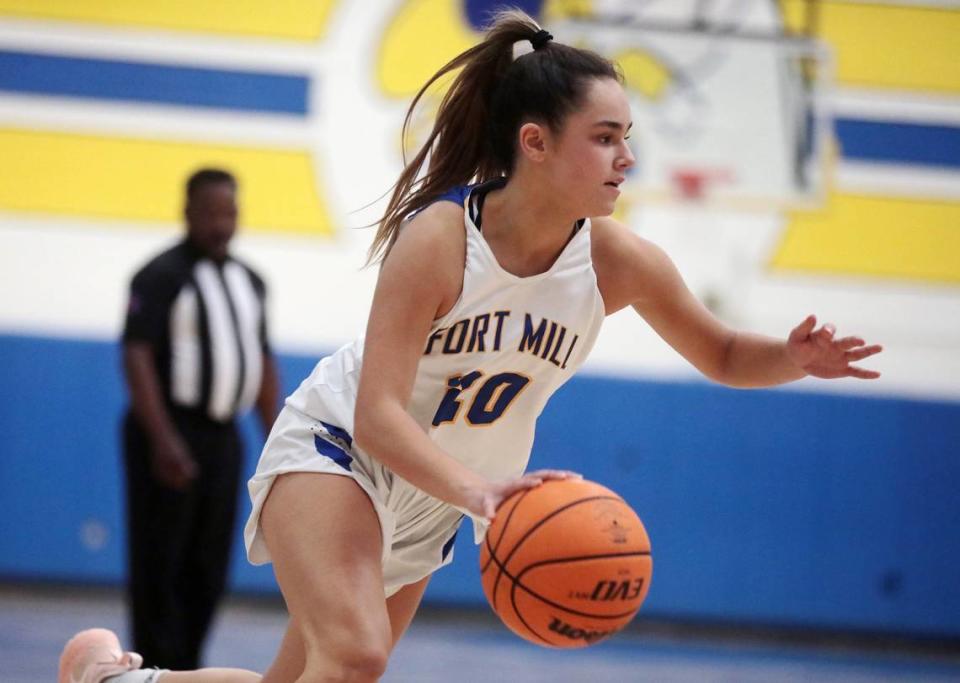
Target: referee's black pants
[(179, 541)]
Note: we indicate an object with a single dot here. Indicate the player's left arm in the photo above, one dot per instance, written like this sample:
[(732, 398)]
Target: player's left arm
[(634, 272)]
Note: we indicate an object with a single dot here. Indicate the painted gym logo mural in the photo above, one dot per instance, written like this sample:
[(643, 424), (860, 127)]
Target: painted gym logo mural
[(253, 88)]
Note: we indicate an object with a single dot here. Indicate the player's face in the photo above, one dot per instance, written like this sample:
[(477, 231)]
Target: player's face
[(592, 154), (212, 218)]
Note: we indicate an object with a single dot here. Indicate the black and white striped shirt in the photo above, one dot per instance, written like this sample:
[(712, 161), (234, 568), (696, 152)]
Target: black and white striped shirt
[(206, 322)]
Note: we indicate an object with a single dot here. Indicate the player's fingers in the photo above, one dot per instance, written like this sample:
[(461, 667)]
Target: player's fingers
[(862, 373), (803, 330), (865, 352), (847, 343), (527, 481), (556, 474), (825, 334)]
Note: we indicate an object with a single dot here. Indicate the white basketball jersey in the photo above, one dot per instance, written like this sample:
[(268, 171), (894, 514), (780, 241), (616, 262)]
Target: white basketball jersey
[(491, 363)]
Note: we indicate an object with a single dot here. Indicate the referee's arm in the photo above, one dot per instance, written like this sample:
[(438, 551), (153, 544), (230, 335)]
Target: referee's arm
[(171, 460), (269, 394)]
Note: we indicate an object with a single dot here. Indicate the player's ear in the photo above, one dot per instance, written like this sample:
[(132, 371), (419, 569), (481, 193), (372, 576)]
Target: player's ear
[(532, 141)]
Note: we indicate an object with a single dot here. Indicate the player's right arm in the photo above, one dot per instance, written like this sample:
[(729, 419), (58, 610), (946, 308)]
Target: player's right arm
[(419, 281)]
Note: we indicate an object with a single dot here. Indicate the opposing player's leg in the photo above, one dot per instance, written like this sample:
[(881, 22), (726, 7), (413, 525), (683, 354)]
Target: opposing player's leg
[(325, 542)]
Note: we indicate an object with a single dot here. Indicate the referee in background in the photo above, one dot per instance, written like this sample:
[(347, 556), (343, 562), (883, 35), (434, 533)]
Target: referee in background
[(195, 356)]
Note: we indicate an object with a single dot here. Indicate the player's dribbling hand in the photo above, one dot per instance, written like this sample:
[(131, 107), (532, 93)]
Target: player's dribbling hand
[(171, 462), (818, 353), (497, 492)]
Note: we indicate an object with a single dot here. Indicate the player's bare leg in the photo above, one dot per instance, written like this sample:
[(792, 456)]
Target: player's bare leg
[(325, 542), (94, 655), (212, 675), (291, 659), (402, 606)]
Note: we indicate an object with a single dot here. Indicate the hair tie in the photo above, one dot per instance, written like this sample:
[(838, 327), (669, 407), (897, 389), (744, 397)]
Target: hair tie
[(541, 38)]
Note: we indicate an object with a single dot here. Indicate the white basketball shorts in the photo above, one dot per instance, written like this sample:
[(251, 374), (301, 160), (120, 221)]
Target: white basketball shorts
[(418, 530)]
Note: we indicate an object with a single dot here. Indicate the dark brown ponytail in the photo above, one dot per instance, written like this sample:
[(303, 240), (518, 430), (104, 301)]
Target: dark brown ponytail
[(493, 95)]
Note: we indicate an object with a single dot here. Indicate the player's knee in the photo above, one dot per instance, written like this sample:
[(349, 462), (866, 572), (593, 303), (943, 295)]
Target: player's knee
[(357, 661), (356, 653), (364, 662)]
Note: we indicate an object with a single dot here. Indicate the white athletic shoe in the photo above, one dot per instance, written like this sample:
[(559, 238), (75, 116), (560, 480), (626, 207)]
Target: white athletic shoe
[(93, 655)]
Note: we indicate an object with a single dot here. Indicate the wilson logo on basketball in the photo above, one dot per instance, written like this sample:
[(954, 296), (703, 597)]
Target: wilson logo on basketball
[(617, 590), (567, 631)]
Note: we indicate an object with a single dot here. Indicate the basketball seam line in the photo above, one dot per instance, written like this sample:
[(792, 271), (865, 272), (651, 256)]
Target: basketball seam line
[(503, 532), (515, 582), (522, 539), (493, 550), (513, 603)]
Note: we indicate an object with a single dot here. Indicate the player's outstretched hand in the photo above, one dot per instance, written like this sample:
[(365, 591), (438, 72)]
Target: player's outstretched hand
[(498, 492), (818, 353)]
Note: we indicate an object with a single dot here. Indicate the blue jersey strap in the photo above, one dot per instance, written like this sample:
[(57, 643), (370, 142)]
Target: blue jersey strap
[(457, 195)]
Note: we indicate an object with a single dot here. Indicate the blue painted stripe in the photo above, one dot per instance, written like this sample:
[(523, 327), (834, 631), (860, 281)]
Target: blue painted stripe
[(102, 79), (899, 143), (479, 12)]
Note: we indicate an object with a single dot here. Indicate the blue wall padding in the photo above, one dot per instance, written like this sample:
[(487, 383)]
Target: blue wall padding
[(763, 506)]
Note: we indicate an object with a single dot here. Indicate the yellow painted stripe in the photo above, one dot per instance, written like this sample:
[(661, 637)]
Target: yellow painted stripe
[(142, 180), (794, 15), (889, 46), (304, 20), (881, 236), (426, 34), (644, 72), (422, 37)]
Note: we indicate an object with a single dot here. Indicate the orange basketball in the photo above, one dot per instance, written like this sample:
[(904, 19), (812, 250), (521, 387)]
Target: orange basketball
[(566, 564)]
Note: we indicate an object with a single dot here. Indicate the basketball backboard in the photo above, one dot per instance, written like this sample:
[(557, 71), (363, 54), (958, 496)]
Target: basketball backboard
[(725, 101)]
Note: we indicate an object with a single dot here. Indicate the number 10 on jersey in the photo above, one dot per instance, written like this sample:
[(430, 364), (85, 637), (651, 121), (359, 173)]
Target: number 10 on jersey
[(488, 398)]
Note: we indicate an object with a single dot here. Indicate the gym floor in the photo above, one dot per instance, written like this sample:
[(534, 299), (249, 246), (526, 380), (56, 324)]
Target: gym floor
[(35, 621)]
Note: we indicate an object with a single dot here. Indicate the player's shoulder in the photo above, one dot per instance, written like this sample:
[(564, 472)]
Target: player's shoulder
[(437, 231), (627, 265), (428, 258), (614, 245), (444, 210)]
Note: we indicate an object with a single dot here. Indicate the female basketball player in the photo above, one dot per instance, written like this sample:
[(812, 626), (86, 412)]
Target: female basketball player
[(487, 301)]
